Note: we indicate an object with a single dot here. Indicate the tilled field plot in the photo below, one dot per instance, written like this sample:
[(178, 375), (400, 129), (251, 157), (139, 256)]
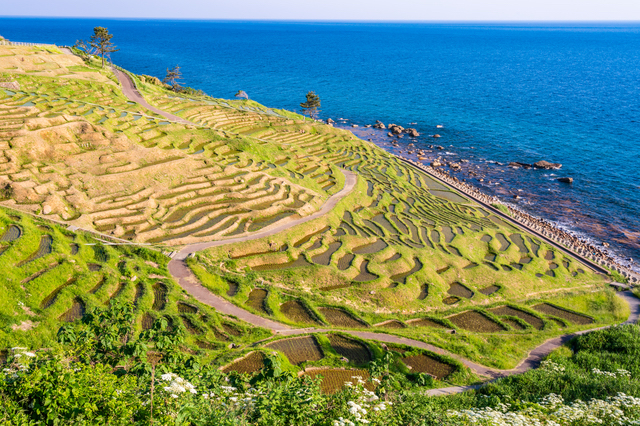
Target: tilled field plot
[(459, 290), (299, 349), (333, 379), (340, 318), (354, 351), (249, 364), (297, 312), (573, 317), (425, 322), (475, 321), (536, 322), (425, 364), (257, 299)]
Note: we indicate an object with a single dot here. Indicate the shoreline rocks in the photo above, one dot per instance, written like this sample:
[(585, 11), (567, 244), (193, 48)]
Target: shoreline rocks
[(546, 165), (565, 179)]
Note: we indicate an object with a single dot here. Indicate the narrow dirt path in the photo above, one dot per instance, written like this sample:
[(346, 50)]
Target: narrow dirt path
[(130, 91), (187, 280)]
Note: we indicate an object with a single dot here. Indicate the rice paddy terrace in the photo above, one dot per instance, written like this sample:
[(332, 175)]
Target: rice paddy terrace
[(51, 275), (75, 148), (402, 254)]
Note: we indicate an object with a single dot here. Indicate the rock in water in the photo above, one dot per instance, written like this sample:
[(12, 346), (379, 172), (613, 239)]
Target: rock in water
[(519, 164), (565, 179), (412, 132), (546, 165), (395, 129)]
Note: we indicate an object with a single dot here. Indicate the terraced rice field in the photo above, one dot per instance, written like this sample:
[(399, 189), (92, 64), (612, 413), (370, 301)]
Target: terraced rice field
[(475, 322), (76, 311), (334, 379), (257, 299), (425, 322), (555, 311), (298, 349), (324, 258), (65, 284), (487, 291), (533, 320), (340, 318), (356, 352), (425, 364), (43, 249), (159, 296), (460, 290), (297, 312), (185, 308), (364, 275), (392, 324), (249, 364)]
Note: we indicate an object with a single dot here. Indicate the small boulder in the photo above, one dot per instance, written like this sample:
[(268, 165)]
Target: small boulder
[(395, 129), (412, 132), (436, 135), (565, 179), (436, 163), (379, 125), (546, 165)]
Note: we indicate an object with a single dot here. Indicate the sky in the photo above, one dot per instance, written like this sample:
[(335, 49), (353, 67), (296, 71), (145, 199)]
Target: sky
[(340, 10)]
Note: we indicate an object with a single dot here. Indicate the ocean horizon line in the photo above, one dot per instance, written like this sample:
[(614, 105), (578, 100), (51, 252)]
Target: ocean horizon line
[(341, 21)]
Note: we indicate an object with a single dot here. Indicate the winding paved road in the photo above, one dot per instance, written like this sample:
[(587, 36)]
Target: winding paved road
[(187, 280)]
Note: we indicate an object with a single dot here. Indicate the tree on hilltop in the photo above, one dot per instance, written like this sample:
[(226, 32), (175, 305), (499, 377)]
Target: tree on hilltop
[(173, 76), (101, 42), (312, 105), (85, 49), (242, 95)]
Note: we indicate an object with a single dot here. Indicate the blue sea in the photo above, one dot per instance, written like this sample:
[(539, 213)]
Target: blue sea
[(566, 93)]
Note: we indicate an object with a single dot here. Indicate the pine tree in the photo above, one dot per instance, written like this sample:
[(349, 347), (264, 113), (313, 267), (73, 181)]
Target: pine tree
[(101, 42), (173, 76), (242, 95), (312, 105)]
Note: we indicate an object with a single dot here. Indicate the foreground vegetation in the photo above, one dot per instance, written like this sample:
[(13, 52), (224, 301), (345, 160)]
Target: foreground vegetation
[(101, 334), (100, 374)]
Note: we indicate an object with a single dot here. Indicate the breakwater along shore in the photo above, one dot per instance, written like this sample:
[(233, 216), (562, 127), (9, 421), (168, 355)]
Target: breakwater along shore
[(578, 245)]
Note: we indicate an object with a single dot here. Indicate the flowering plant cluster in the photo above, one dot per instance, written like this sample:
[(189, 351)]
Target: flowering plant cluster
[(362, 404), (552, 411), (618, 374), (18, 361), (551, 367), (177, 385)]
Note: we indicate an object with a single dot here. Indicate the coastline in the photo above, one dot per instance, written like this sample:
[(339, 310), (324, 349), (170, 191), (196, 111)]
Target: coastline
[(598, 259)]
